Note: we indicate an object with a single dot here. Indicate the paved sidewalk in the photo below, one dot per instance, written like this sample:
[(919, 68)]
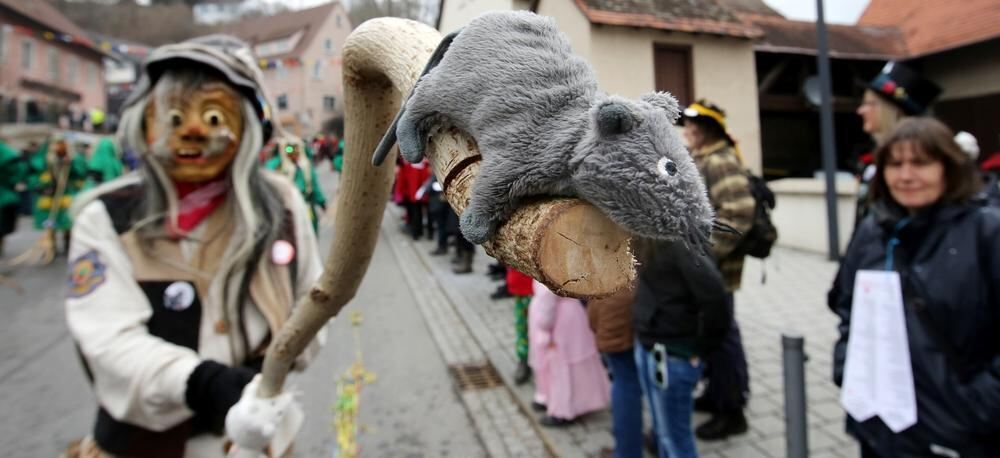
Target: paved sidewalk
[(792, 300)]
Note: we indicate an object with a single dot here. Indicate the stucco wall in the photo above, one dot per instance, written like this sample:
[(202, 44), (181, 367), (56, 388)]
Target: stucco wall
[(459, 12), (800, 213), (570, 21), (723, 69), (966, 72)]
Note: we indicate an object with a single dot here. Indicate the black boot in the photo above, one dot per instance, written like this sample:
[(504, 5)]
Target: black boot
[(722, 425), (522, 374), (501, 293), (439, 251), (464, 265)]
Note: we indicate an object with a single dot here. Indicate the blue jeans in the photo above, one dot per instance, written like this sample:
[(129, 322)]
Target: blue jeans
[(626, 404), (671, 405)]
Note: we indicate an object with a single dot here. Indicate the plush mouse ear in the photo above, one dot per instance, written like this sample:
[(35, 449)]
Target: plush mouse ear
[(614, 118), (664, 101)]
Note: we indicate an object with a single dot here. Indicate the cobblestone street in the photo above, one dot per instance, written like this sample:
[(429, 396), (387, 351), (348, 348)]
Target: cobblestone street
[(792, 300)]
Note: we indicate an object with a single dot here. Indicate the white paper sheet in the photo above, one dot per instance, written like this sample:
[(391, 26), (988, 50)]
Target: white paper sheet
[(878, 376)]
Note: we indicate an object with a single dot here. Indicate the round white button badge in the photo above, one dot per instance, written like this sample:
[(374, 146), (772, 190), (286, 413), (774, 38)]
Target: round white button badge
[(282, 252), (178, 296)]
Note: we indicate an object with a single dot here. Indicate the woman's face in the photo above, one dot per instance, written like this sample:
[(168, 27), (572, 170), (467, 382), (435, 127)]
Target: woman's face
[(693, 135), (915, 180), (868, 110)]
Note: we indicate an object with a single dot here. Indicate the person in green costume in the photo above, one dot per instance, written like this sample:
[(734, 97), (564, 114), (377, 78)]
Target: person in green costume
[(47, 168), (292, 161), (104, 163), (12, 172)]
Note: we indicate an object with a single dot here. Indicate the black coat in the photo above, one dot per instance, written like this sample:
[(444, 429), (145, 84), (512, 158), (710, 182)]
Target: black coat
[(680, 300), (948, 259)]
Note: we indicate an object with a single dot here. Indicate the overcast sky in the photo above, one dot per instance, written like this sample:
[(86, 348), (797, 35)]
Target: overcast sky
[(838, 11)]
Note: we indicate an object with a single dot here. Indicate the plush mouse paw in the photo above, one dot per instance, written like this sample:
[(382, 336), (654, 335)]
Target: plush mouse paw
[(476, 227), (253, 422), (411, 143)]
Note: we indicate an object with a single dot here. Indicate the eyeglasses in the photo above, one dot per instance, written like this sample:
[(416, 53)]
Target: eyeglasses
[(660, 358)]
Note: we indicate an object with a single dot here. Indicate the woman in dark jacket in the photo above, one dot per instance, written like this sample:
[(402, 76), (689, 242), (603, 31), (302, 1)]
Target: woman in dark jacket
[(926, 228), (680, 314)]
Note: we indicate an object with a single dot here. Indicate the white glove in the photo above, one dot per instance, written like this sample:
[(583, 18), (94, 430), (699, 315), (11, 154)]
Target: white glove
[(255, 423)]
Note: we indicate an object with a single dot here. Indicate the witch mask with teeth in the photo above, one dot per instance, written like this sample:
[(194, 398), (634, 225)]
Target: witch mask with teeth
[(193, 126)]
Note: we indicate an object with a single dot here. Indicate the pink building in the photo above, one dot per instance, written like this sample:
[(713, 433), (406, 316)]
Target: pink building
[(48, 66), (300, 53)]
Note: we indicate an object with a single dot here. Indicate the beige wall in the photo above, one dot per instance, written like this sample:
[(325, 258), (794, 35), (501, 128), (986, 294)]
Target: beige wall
[(724, 72), (967, 72), (800, 213), (570, 21), (457, 13)]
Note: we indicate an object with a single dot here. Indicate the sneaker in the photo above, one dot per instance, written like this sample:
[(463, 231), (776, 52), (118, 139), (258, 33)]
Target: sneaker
[(721, 426), (554, 422), (439, 251), (522, 374)]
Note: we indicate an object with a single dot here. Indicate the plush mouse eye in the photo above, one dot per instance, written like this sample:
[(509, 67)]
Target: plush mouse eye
[(213, 118), (666, 167), (176, 117)]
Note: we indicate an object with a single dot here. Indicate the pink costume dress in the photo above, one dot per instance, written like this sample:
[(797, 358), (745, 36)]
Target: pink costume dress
[(569, 377)]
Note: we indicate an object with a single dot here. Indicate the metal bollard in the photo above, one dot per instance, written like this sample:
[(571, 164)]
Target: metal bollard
[(796, 425)]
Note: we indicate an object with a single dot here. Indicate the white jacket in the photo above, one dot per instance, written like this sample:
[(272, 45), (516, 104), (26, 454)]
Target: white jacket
[(140, 378)]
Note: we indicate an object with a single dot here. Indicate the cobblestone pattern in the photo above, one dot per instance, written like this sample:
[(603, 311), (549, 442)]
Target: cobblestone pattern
[(501, 424), (792, 300)]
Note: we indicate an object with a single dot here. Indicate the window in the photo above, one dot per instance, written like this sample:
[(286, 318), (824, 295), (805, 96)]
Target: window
[(318, 69), (673, 72), (53, 64), (71, 68), (329, 103), (91, 73), (27, 49), (283, 102), (328, 46), (338, 20), (4, 32)]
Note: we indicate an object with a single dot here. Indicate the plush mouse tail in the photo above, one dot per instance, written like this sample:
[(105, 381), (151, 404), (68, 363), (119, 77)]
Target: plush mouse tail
[(389, 139)]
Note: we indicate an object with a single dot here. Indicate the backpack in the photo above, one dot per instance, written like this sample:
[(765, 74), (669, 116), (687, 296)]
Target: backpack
[(760, 238)]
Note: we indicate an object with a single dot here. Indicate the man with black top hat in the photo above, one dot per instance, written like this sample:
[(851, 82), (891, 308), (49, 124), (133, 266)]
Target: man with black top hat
[(181, 274)]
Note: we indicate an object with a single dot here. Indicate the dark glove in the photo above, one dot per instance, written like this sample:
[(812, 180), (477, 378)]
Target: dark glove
[(212, 389)]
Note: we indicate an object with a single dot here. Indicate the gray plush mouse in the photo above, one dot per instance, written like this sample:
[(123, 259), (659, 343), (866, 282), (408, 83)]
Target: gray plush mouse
[(510, 80)]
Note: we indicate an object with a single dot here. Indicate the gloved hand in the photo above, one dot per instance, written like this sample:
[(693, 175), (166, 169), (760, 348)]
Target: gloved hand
[(255, 423), (213, 388)]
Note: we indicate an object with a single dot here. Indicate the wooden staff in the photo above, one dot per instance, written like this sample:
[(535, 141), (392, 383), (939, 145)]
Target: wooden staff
[(564, 243)]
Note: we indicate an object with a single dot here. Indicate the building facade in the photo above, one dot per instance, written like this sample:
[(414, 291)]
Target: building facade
[(300, 56), (49, 69)]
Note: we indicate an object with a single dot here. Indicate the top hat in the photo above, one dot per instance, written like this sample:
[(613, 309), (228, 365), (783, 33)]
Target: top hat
[(904, 88)]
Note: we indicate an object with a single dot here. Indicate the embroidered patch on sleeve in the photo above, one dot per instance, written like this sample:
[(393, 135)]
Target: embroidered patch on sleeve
[(86, 273)]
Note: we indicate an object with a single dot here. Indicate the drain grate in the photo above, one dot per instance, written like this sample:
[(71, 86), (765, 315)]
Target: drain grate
[(475, 377)]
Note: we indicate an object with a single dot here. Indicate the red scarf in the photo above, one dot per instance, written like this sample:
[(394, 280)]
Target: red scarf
[(195, 201)]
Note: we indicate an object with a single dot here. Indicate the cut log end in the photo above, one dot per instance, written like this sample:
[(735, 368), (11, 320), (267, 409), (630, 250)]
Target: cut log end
[(583, 254)]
